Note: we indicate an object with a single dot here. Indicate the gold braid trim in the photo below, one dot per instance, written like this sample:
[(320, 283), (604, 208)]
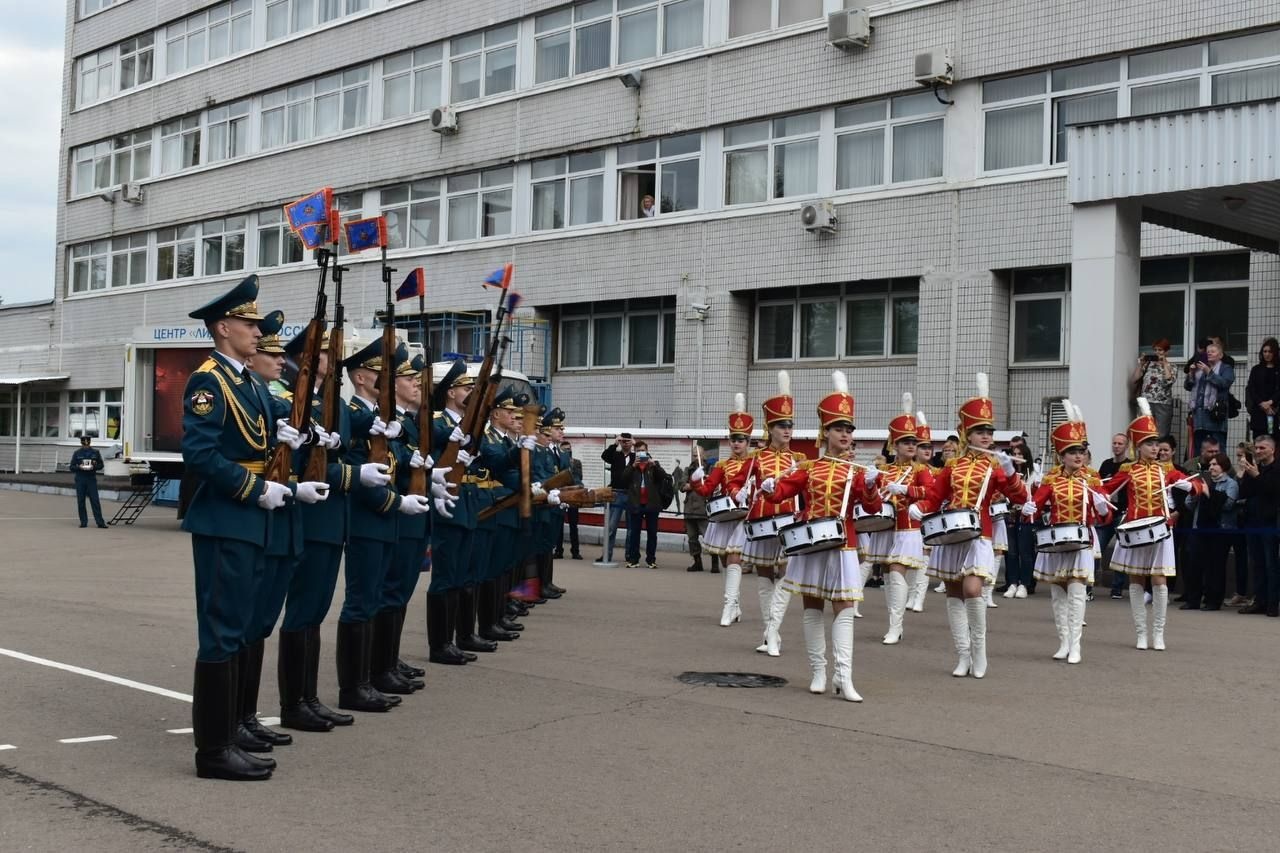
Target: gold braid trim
[(255, 432)]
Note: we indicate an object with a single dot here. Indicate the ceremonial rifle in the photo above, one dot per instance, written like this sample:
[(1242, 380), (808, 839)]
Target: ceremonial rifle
[(531, 413), (318, 458), (378, 448), (559, 480), (418, 477), (280, 467)]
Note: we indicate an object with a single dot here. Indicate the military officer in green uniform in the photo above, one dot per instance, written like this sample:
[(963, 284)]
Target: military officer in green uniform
[(499, 457)]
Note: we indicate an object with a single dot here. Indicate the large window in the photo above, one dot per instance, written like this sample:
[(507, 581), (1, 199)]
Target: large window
[(1040, 311), (618, 333), (41, 414), (94, 413), (88, 7), (483, 63), (771, 159), (179, 144), (223, 241), (89, 266), (861, 319), (413, 214), (176, 253), (576, 40), (659, 176), (227, 132), (316, 108), (1188, 299), (128, 260), (277, 244), (137, 61), (754, 16), (900, 138), (92, 167), (95, 74), (568, 190), (479, 204), (117, 262), (411, 82)]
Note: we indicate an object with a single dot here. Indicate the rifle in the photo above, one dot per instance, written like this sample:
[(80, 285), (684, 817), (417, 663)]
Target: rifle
[(581, 496), (280, 467), (418, 477), (559, 480), (378, 449), (318, 460), (526, 462)]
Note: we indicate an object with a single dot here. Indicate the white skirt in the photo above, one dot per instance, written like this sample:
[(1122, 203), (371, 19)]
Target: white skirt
[(875, 547), (1065, 566), (907, 550), (834, 575), (1157, 558), (953, 562), (999, 536), (724, 537), (1097, 546), (763, 553)]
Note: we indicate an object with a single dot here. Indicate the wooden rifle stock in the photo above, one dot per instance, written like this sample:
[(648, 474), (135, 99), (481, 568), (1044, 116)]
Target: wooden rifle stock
[(318, 461), (526, 463), (280, 466), (418, 477), (560, 480), (379, 451)]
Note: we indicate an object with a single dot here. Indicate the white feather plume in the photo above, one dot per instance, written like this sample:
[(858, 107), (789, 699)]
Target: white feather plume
[(908, 402), (839, 381), (984, 385), (784, 383), (1144, 407), (739, 402), (920, 421), (1068, 408), (1079, 415)]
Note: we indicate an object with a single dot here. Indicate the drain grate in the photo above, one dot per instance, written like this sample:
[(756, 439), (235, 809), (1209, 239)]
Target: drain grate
[(731, 679)]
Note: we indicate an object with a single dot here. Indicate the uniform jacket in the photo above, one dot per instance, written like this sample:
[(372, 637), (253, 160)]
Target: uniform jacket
[(960, 486), (86, 454), (1147, 481), (373, 508), (761, 465), (918, 479), (823, 484)]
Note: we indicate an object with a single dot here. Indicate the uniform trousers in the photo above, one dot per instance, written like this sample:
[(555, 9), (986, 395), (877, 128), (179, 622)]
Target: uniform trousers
[(311, 586), (228, 573)]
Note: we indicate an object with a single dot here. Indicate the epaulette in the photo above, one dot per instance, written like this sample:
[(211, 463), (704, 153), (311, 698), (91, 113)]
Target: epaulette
[(1125, 468), (799, 454), (286, 395), (353, 405), (208, 366)]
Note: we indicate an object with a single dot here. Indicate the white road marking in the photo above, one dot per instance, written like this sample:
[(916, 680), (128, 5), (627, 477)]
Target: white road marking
[(4, 746), (270, 721), (101, 676), (91, 739), (180, 731)]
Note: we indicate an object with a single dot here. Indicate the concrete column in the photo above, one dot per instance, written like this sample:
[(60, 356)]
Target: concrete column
[(1106, 263)]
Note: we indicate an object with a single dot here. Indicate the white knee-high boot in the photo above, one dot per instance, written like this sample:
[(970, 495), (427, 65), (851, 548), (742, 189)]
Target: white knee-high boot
[(1075, 619), (732, 595), (958, 619), (1058, 601), (1139, 610), (1159, 611), (977, 610), (815, 643), (895, 596), (921, 590), (777, 610), (911, 590), (867, 569), (842, 651), (764, 590)]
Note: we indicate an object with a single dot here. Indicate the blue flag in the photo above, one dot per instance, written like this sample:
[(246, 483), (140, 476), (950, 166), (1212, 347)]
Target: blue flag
[(311, 210), (415, 284), (367, 234)]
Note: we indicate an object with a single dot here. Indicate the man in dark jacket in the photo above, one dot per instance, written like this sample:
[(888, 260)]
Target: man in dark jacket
[(618, 456), (1260, 489), (86, 463), (643, 489)]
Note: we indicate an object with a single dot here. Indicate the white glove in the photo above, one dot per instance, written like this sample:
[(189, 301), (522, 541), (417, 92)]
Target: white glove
[(915, 513), (536, 490), (553, 497), (414, 504), (417, 460), (1100, 504), (440, 492), (458, 438), (1006, 463), (310, 492), (1029, 509), (742, 495), (394, 429), (465, 458), (896, 489), (374, 474), (443, 507), (326, 439), (1184, 485), (439, 475), (286, 434), (528, 442), (767, 485), (274, 496), (378, 427), (696, 476), (871, 474)]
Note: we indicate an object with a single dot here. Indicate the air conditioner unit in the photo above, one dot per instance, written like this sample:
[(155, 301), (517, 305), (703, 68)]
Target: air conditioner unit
[(849, 28), (444, 120), (934, 68), (132, 193), (819, 217)]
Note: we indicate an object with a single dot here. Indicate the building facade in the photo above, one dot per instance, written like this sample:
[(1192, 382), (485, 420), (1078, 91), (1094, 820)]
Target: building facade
[(654, 221)]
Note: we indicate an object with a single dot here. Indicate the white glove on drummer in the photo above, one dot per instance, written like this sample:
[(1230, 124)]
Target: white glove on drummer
[(1006, 463), (413, 505), (915, 513), (896, 489), (1029, 509), (439, 475), (465, 458), (285, 434), (1184, 485), (742, 495), (459, 438), (697, 475), (553, 497), (274, 496), (374, 474), (871, 475), (768, 485), (528, 442), (310, 492), (417, 460), (1100, 503)]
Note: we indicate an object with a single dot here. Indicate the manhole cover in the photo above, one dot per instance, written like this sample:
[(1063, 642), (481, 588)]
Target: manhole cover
[(731, 679)]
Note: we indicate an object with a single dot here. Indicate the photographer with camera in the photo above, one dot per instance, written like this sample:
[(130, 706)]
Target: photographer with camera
[(1209, 381), (1153, 379)]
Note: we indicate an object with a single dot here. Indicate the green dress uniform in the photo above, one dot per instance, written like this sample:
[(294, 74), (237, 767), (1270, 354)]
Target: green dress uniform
[(499, 458)]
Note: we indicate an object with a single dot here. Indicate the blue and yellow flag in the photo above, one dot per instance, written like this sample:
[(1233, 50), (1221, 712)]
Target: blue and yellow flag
[(367, 234)]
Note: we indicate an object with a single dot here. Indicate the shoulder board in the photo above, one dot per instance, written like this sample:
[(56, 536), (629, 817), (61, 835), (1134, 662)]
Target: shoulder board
[(286, 395), (208, 365), (353, 405)]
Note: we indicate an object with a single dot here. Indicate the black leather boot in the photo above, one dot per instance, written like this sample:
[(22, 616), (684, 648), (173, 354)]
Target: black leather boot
[(715, 564), (291, 678), (454, 599), (439, 649), (354, 691), (213, 720), (549, 578), (386, 676), (696, 566), (244, 738), (467, 639), (487, 612), (252, 679), (503, 605), (405, 671), (310, 690)]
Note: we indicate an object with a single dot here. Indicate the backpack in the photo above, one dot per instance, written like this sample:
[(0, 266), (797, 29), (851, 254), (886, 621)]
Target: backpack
[(666, 489)]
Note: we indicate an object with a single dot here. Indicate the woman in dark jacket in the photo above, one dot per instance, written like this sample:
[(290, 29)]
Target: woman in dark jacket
[(1262, 394)]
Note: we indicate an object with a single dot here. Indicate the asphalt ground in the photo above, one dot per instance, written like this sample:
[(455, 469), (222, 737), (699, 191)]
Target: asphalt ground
[(579, 736)]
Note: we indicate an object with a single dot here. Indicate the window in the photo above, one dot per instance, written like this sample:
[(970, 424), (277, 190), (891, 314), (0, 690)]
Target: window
[(129, 260), (89, 264), (771, 159), (277, 244), (186, 43), (900, 138), (331, 9), (230, 28), (175, 253), (649, 27), (286, 115), (479, 204), (41, 412), (618, 333), (659, 176), (223, 241), (568, 190), (8, 412), (413, 215), (179, 144), (861, 319), (1040, 313), (576, 40), (118, 262), (1188, 299), (341, 101), (289, 16), (755, 16), (483, 63), (92, 167), (411, 82), (227, 132), (88, 7), (94, 413), (96, 76), (137, 61)]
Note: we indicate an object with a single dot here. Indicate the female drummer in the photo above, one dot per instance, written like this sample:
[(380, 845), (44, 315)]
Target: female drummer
[(1071, 498), (904, 481), (765, 555), (1149, 485), (725, 538), (831, 485), (918, 579), (970, 481)]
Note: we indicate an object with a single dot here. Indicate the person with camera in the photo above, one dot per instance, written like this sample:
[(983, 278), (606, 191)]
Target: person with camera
[(644, 479), (618, 456), (1153, 378), (1214, 520), (1209, 380), (1262, 393), (1259, 480)]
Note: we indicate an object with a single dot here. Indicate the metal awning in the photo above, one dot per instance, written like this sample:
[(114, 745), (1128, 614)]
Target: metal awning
[(27, 380)]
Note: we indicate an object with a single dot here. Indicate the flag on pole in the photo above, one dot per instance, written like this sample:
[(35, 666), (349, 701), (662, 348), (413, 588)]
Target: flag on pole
[(500, 277), (415, 284), (367, 234), (310, 210)]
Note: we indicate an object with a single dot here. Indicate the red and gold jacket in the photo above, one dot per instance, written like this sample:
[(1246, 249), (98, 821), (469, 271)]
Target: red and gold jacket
[(959, 484), (762, 465), (1148, 481), (917, 477), (822, 482), (720, 477), (1067, 498)]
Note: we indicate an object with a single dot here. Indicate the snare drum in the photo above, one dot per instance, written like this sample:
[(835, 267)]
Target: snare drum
[(1059, 538), (875, 522), (950, 527), (725, 508), (1142, 531), (999, 509), (808, 537), (767, 528)]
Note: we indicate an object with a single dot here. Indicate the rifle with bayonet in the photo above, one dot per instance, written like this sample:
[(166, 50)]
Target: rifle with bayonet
[(418, 477), (330, 385), (280, 466), (379, 451)]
